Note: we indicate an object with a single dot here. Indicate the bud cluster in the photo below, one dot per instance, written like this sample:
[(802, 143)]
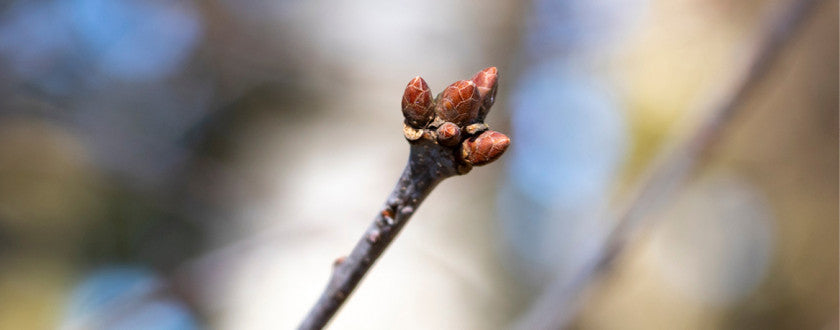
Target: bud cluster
[(455, 118)]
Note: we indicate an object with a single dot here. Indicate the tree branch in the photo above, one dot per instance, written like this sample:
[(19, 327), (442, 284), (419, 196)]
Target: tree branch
[(447, 138), (422, 173), (559, 303)]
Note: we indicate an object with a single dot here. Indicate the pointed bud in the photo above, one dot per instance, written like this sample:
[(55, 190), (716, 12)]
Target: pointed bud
[(487, 82), (485, 148), (459, 103), (417, 103), (448, 134)]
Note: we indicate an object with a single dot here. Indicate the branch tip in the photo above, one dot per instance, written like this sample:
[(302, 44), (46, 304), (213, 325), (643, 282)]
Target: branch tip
[(438, 130)]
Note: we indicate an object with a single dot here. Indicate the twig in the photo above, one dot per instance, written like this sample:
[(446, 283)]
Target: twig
[(559, 303), (447, 138)]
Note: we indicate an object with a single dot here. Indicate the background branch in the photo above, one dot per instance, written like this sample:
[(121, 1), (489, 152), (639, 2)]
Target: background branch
[(561, 300)]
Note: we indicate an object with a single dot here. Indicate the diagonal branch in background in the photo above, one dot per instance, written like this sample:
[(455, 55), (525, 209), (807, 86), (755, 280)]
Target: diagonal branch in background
[(559, 302), (447, 137)]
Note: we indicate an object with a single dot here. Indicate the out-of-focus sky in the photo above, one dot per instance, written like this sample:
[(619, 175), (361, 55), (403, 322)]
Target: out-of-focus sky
[(188, 164)]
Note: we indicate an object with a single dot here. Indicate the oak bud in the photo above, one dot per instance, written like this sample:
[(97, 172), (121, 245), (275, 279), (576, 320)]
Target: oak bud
[(448, 134), (487, 82), (417, 103), (485, 148), (459, 103)]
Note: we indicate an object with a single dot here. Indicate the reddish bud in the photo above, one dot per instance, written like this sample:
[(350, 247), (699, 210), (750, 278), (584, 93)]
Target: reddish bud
[(487, 82), (448, 134), (417, 103), (485, 148), (459, 103)]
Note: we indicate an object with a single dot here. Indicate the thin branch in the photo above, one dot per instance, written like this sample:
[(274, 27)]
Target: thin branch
[(447, 138), (559, 303), (420, 176)]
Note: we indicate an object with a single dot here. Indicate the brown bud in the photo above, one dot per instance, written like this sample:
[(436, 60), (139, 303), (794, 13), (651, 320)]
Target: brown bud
[(459, 103), (485, 148), (417, 103), (448, 134), (487, 82)]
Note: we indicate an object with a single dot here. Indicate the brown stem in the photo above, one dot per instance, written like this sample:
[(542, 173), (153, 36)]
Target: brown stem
[(559, 303), (428, 164)]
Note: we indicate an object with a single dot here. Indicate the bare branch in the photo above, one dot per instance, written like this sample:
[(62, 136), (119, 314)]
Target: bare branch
[(559, 303)]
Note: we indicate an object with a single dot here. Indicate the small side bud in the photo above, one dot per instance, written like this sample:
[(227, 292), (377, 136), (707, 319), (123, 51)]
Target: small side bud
[(448, 134), (485, 148), (473, 129), (458, 103), (487, 82), (417, 103), (411, 133), (338, 261)]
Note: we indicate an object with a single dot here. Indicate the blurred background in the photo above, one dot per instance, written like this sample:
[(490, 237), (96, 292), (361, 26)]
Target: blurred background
[(190, 164)]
